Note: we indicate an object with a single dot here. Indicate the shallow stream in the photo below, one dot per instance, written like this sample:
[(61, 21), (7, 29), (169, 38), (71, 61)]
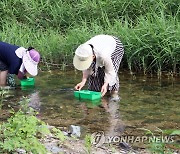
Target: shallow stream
[(146, 102)]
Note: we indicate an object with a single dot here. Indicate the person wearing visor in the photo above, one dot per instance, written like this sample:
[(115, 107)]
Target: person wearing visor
[(99, 59), (17, 60)]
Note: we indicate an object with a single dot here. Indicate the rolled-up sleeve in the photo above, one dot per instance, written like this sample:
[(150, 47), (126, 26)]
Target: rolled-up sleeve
[(110, 74)]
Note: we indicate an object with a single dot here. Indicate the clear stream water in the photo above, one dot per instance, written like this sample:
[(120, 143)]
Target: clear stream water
[(146, 102)]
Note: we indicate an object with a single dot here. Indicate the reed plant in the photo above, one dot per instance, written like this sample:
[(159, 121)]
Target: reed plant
[(149, 30)]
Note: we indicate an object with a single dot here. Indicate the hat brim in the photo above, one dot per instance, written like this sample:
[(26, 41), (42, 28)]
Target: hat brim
[(30, 67), (82, 65)]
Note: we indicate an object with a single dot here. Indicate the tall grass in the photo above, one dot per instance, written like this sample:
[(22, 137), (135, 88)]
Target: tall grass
[(149, 30), (153, 44), (61, 14)]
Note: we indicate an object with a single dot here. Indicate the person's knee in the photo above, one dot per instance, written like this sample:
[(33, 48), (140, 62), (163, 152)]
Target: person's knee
[(115, 96), (3, 76), (114, 92)]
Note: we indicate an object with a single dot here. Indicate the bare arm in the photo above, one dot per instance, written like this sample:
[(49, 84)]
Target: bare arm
[(84, 79), (110, 75)]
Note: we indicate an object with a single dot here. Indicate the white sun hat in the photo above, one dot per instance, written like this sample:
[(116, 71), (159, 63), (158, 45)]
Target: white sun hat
[(30, 60), (83, 57)]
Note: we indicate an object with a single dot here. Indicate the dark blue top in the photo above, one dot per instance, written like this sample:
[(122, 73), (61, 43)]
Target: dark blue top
[(9, 57)]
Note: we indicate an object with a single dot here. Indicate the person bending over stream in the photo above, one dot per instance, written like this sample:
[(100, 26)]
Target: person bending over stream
[(17, 60), (99, 59)]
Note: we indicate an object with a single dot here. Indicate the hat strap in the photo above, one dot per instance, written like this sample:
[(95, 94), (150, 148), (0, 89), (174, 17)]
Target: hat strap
[(92, 49)]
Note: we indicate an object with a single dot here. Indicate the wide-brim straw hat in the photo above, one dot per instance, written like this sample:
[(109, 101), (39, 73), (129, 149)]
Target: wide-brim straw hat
[(30, 60), (83, 57)]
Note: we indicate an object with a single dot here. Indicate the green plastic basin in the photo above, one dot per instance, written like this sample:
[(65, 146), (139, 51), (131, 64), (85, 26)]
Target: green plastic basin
[(87, 94), (28, 82)]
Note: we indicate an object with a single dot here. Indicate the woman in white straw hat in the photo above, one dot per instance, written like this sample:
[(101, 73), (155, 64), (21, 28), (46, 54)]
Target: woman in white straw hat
[(99, 59), (17, 60)]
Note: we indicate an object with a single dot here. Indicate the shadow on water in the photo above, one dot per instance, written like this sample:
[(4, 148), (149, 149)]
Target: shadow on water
[(145, 103)]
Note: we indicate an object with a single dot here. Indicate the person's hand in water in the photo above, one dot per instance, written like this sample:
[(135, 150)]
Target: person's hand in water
[(79, 85), (21, 75), (104, 89)]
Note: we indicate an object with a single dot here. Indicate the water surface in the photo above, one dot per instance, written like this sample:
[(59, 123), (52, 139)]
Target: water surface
[(146, 102)]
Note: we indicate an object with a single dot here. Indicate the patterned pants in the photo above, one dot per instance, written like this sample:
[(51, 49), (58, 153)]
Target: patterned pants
[(10, 80), (96, 81)]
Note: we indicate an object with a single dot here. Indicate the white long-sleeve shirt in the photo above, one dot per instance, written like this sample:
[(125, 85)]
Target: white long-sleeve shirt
[(104, 46)]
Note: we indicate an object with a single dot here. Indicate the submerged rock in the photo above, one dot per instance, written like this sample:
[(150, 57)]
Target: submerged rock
[(53, 148), (75, 130)]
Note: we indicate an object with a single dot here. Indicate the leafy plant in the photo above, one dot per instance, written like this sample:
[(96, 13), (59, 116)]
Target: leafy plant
[(22, 131), (88, 143), (59, 134), (160, 145), (2, 95)]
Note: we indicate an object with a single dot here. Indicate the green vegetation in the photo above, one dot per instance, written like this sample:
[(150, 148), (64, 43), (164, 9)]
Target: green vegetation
[(88, 143), (59, 134), (149, 29), (22, 131), (3, 93), (163, 141)]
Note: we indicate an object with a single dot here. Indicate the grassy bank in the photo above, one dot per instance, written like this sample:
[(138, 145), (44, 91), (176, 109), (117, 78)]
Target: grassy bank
[(149, 30)]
